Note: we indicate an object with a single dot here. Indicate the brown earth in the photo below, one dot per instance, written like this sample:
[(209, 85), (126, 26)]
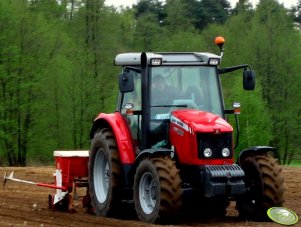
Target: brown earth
[(27, 205)]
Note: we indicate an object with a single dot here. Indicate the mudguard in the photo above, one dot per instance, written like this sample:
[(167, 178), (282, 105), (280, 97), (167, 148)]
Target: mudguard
[(123, 137), (153, 151), (256, 150)]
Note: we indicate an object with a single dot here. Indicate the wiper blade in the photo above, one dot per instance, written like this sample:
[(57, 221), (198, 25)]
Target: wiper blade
[(170, 105)]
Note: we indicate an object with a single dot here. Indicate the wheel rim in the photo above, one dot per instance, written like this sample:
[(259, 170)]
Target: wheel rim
[(147, 193), (101, 175)]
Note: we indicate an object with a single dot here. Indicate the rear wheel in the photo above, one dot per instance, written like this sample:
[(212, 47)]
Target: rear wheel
[(264, 187), (104, 174), (157, 190)]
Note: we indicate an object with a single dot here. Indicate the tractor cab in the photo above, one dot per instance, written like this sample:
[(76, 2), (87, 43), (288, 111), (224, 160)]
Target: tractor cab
[(154, 85)]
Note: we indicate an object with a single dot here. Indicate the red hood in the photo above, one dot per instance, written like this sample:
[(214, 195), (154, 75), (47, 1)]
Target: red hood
[(201, 121)]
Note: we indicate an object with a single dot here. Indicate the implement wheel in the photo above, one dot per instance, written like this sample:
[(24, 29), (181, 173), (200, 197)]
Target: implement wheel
[(157, 190), (264, 187), (104, 174)]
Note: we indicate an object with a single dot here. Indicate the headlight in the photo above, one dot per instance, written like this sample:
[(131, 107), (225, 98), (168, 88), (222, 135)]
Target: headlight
[(225, 152), (207, 152)]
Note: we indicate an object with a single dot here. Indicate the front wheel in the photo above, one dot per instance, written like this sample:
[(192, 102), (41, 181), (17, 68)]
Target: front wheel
[(104, 174), (157, 190), (264, 187)]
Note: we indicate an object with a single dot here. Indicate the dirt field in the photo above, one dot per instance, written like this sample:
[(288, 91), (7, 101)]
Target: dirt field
[(27, 205)]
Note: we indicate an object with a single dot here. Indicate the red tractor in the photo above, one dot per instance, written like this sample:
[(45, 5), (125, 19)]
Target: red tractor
[(168, 143)]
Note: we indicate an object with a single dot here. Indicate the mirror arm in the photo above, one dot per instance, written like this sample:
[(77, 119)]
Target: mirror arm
[(137, 70), (232, 68)]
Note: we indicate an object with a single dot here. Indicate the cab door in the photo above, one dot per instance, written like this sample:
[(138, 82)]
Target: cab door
[(130, 108)]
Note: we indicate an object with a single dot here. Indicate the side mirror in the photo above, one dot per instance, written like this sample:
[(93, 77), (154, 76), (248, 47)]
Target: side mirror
[(249, 80), (126, 82)]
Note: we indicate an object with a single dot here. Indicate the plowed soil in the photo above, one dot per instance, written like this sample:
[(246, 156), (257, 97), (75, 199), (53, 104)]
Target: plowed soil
[(27, 205)]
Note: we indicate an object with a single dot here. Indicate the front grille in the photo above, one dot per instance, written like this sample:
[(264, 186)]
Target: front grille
[(216, 142)]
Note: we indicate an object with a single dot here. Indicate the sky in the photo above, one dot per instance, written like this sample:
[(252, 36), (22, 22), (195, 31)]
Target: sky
[(116, 3)]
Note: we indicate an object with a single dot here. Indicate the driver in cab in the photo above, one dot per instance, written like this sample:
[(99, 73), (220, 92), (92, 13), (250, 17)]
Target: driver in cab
[(162, 92)]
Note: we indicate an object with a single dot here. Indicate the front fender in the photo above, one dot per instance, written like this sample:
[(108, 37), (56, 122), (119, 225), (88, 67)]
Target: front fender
[(153, 151), (256, 150), (123, 137)]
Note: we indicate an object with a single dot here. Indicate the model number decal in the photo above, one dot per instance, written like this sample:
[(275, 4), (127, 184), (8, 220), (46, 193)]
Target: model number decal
[(180, 123)]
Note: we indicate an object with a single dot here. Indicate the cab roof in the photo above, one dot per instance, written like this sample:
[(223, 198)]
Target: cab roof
[(168, 58)]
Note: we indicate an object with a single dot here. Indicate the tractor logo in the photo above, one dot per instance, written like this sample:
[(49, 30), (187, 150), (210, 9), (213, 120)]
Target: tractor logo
[(216, 131)]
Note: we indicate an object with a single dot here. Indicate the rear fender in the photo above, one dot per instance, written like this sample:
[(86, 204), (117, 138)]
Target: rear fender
[(123, 137), (256, 150)]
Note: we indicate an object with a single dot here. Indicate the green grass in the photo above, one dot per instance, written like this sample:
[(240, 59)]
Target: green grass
[(295, 163)]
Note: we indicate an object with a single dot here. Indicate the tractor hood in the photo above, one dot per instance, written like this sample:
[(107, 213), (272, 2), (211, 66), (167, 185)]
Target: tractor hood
[(200, 121)]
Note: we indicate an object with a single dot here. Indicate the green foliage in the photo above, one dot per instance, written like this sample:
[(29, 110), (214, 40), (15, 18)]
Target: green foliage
[(56, 70), (147, 30), (255, 125), (184, 41), (154, 7), (242, 6), (295, 13), (178, 18), (265, 39), (25, 52), (206, 12), (275, 46), (49, 68)]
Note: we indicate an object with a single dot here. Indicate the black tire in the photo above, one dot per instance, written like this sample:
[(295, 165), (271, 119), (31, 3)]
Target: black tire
[(157, 190), (264, 187), (105, 174)]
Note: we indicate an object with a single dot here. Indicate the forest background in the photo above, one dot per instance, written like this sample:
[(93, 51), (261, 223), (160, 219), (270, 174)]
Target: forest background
[(57, 72)]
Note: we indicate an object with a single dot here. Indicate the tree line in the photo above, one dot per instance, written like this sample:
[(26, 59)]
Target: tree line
[(56, 70)]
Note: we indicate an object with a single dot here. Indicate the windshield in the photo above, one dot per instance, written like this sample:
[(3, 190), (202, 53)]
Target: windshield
[(179, 87)]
